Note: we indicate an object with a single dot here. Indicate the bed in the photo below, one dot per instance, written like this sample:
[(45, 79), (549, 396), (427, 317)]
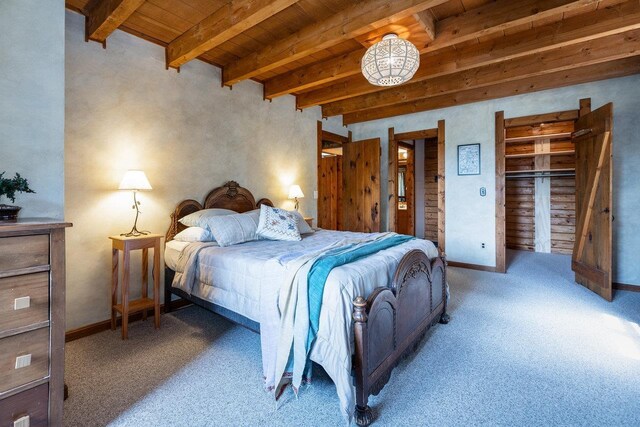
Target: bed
[(380, 310)]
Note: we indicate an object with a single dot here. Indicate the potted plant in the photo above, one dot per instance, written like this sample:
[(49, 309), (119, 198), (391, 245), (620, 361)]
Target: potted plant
[(8, 188)]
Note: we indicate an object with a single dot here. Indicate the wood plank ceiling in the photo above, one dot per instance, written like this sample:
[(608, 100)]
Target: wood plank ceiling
[(471, 50)]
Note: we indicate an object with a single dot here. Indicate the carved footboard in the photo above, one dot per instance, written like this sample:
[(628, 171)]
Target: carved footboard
[(391, 322)]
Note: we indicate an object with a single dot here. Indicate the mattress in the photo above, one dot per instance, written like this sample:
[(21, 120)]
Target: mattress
[(172, 251)]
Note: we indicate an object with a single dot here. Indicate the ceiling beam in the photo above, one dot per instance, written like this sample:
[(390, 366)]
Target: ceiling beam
[(604, 49), (103, 17), (222, 25), (349, 64), (603, 71), (426, 19), (577, 29), (499, 16), (356, 20)]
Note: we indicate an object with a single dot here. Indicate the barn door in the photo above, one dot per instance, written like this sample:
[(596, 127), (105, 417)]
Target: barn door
[(361, 185), (592, 250)]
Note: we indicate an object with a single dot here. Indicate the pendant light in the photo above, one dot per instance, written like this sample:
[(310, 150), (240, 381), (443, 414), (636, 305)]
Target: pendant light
[(390, 62)]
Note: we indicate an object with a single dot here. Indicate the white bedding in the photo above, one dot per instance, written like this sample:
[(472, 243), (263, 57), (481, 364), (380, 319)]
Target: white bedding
[(246, 278)]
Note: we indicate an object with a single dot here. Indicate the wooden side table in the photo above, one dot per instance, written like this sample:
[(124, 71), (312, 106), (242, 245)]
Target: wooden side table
[(309, 221), (126, 245)]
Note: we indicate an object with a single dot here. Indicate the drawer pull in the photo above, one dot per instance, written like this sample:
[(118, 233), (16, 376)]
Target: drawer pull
[(23, 361), (22, 302), (22, 422)]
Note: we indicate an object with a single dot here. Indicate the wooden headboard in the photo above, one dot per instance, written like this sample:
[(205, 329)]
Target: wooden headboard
[(230, 196)]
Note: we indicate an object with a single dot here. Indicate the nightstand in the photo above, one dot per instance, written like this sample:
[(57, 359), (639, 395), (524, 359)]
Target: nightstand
[(126, 245), (309, 221)]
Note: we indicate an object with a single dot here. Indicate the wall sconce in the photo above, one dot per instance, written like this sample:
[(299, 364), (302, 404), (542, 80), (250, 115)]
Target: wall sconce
[(295, 192), (135, 180)]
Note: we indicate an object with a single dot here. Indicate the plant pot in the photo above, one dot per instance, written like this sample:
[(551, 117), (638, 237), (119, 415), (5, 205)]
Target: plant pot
[(9, 213)]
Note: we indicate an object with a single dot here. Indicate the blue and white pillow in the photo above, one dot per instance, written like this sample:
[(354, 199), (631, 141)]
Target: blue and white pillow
[(278, 224)]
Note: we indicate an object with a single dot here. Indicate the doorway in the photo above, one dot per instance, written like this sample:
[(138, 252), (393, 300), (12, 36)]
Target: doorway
[(329, 160), (420, 210)]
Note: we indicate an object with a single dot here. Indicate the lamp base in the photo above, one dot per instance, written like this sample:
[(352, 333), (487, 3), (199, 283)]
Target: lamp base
[(135, 233)]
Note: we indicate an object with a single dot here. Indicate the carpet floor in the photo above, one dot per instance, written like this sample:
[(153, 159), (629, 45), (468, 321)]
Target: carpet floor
[(526, 348)]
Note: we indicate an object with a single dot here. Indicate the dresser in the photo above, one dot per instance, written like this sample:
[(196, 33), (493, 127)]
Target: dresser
[(32, 322)]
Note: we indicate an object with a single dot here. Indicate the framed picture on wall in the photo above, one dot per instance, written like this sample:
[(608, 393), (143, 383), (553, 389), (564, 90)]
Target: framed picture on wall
[(469, 159)]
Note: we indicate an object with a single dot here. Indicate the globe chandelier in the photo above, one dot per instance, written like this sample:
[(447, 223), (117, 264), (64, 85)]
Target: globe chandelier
[(390, 62)]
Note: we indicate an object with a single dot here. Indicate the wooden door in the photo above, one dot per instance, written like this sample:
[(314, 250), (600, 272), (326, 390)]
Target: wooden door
[(591, 260), (361, 185), (330, 193)]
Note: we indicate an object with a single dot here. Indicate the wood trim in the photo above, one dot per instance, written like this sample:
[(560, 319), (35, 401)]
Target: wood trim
[(105, 325), (356, 20), (222, 25), (473, 266), (500, 194), (104, 17), (534, 119), (625, 287), (585, 107), (392, 177), (318, 164), (417, 134), (333, 137), (603, 71), (441, 186)]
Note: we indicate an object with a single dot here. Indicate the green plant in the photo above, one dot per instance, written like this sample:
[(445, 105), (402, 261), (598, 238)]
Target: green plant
[(10, 186)]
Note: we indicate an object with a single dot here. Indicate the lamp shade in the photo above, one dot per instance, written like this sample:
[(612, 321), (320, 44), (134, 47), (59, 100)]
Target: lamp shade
[(391, 61), (295, 191), (134, 180)]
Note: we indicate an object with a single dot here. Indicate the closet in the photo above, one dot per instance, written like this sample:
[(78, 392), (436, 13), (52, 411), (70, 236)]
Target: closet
[(540, 187)]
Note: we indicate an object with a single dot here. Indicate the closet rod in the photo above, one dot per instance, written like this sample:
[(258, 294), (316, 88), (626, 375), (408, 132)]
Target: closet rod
[(541, 175)]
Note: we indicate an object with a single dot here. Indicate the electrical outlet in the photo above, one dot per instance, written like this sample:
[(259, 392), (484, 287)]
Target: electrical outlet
[(483, 191), (483, 246)]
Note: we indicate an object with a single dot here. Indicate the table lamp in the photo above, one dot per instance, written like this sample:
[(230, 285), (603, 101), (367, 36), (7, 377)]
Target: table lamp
[(295, 192), (135, 180)]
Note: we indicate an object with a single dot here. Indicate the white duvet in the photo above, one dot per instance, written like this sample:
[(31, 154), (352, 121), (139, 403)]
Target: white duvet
[(246, 279)]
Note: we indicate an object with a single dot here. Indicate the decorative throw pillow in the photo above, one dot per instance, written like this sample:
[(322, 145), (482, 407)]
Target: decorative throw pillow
[(194, 234), (198, 219), (278, 224), (233, 229), (303, 227)]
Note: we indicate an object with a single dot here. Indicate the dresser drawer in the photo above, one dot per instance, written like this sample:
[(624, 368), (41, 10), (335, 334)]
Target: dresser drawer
[(24, 300), (24, 251), (34, 343), (32, 403)]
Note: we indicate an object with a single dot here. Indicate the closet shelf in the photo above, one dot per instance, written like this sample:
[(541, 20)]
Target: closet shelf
[(539, 137), (551, 153)]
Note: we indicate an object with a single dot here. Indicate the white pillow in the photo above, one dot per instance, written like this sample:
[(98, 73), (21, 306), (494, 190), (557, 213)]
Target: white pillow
[(194, 234), (303, 226), (198, 219), (278, 224), (233, 229)]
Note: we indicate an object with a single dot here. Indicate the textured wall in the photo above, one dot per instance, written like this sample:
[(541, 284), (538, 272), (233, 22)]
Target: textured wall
[(470, 219), (125, 111), (32, 102)]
